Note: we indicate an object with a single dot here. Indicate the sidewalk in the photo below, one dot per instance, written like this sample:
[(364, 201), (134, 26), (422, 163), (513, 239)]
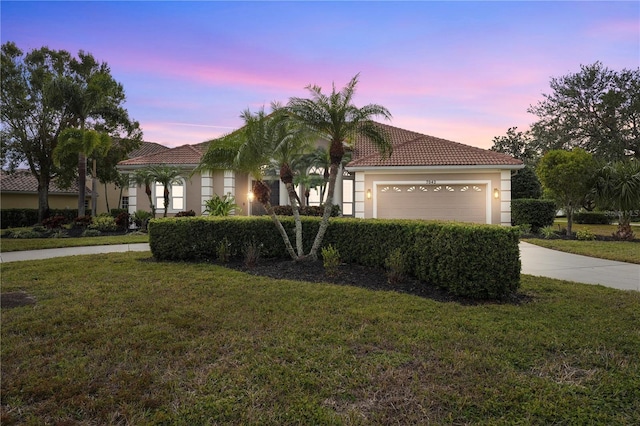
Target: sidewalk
[(538, 261), (16, 256)]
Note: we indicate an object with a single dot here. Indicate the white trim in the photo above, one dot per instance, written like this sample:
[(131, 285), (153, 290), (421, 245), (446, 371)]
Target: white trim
[(505, 198), (358, 201), (229, 182), (133, 198), (206, 191), (487, 184), (439, 169)]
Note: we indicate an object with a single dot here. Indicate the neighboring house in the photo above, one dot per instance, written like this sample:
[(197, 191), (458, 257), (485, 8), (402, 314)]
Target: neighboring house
[(19, 190), (424, 178)]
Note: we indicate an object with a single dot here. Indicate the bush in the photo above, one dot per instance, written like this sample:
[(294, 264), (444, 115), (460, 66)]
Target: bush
[(252, 254), (223, 251), (330, 260), (91, 233), (592, 218), (585, 235), (54, 222), (548, 232), (396, 267), (525, 184), (117, 212), (221, 206), (82, 221), (104, 224), (122, 220), (537, 213), (22, 233), (141, 218), (22, 218), (480, 261), (187, 213)]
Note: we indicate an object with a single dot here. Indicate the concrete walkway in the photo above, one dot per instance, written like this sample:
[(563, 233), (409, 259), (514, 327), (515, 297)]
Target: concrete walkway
[(536, 260), (544, 262), (16, 256)]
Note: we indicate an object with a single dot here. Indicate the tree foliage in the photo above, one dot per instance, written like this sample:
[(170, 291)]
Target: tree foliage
[(567, 178), (525, 183), (45, 92), (596, 109), (617, 187), (516, 144)]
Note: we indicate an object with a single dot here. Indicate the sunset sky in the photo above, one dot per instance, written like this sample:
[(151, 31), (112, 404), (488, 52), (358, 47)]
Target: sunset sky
[(464, 71)]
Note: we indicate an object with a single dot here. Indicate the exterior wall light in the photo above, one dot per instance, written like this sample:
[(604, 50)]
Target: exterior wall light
[(496, 193), (250, 196), (368, 194)]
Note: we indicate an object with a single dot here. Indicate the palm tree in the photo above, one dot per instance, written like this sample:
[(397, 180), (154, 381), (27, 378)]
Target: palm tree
[(82, 143), (144, 177), (265, 141), (337, 119), (618, 188), (166, 176)]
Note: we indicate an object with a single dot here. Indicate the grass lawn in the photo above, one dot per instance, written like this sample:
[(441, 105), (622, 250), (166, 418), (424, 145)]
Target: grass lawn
[(623, 251), (11, 244), (120, 339)]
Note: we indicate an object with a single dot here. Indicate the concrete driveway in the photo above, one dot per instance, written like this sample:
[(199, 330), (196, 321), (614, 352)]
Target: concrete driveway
[(544, 262), (535, 260)]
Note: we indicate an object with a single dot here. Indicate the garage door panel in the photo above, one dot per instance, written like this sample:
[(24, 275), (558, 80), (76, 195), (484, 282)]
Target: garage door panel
[(459, 202)]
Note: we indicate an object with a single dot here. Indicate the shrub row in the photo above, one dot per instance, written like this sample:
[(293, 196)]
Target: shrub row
[(19, 218), (533, 212), (306, 210), (478, 261), (593, 218)]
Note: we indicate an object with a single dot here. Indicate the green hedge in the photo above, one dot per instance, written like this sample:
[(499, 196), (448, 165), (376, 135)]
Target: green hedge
[(593, 218), (20, 218), (479, 261), (529, 211)]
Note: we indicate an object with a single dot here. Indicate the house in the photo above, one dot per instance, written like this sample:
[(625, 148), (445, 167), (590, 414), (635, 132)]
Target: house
[(425, 178), (19, 190)]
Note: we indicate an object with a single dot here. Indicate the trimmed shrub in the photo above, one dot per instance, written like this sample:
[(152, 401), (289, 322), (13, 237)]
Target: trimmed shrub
[(592, 218), (22, 218), (479, 261), (104, 224), (537, 213), (306, 210), (117, 212), (186, 213)]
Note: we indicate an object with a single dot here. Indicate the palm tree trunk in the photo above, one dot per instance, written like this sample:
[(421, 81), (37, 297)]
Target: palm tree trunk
[(94, 191), (287, 243), (82, 183), (328, 205), (106, 199), (296, 218)]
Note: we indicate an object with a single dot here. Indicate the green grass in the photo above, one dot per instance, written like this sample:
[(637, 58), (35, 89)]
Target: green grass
[(120, 339), (622, 251), (11, 244)]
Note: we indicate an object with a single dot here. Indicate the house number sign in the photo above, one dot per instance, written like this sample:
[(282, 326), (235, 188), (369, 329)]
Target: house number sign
[(431, 182)]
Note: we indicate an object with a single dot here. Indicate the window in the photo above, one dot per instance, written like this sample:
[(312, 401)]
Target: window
[(125, 203), (176, 197)]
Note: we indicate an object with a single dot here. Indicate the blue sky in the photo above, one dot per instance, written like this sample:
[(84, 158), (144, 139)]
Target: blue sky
[(464, 71)]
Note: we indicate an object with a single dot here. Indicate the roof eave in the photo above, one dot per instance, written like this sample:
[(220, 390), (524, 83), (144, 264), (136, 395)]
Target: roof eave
[(434, 168)]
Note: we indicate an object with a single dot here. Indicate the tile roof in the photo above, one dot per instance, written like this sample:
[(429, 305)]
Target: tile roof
[(23, 181), (416, 149), (147, 148), (182, 155)]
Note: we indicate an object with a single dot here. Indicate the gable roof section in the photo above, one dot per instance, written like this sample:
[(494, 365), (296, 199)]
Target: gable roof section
[(183, 155), (416, 149), (23, 181), (147, 148)]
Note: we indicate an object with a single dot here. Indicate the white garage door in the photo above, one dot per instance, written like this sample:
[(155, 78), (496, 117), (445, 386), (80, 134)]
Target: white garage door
[(459, 202)]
